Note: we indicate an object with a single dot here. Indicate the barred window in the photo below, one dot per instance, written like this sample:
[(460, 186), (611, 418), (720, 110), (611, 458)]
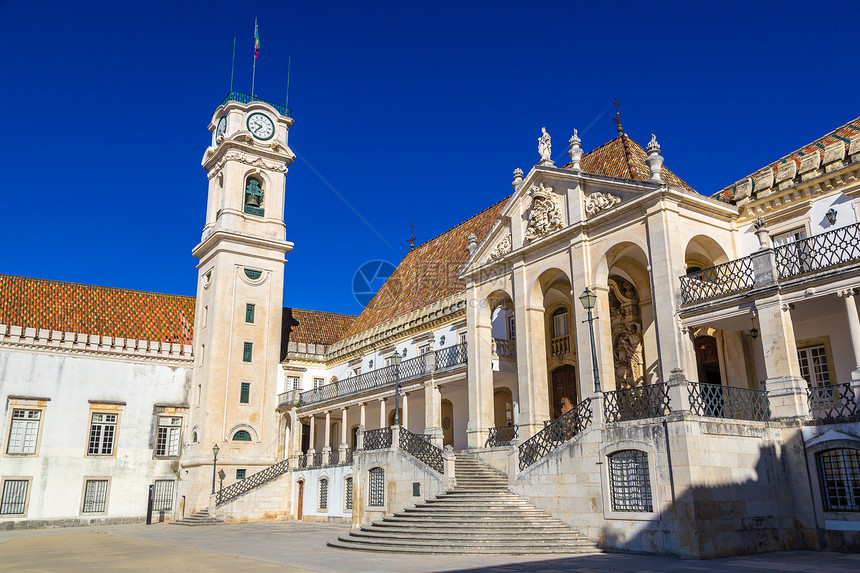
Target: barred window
[(167, 438), (102, 432), (839, 474), (23, 432), (629, 482), (347, 488), (162, 497), (95, 495), (14, 496), (377, 488), (323, 498)]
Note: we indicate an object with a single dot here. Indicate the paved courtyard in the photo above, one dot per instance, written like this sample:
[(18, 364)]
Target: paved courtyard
[(300, 547)]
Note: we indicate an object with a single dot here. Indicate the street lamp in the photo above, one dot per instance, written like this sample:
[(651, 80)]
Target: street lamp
[(215, 450), (395, 359), (588, 300)]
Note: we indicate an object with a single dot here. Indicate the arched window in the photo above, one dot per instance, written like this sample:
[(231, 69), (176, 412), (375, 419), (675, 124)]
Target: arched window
[(839, 475), (559, 322), (323, 497), (347, 492), (254, 197), (194, 436), (629, 482), (377, 488), (242, 436)]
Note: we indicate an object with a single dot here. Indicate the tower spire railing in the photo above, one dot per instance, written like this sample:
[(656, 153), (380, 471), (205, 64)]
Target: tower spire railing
[(242, 97)]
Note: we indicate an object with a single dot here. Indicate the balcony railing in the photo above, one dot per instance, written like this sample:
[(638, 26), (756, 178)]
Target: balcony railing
[(818, 252), (727, 278), (651, 401), (505, 349), (555, 433), (412, 369), (377, 439), (834, 402), (501, 436), (242, 97), (729, 402), (560, 345)]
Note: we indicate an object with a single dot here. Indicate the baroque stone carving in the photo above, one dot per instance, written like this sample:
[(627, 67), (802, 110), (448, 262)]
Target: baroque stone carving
[(597, 202), (247, 160), (545, 216), (502, 248), (626, 326)]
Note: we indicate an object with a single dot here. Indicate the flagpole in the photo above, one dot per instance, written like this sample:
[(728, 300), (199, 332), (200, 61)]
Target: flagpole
[(254, 72), (233, 65), (289, 64)]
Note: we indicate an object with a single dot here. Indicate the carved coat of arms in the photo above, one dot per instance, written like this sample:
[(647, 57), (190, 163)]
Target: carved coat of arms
[(545, 216)]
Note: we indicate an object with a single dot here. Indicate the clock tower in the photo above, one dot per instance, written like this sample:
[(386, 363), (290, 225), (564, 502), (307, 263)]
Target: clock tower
[(240, 286)]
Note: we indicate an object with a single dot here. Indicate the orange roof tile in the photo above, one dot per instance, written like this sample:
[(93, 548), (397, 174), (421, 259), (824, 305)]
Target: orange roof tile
[(426, 274), (843, 133), (88, 309), (312, 327)]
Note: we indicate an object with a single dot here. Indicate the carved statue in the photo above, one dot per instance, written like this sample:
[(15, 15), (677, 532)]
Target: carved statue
[(545, 215), (545, 146), (627, 341)]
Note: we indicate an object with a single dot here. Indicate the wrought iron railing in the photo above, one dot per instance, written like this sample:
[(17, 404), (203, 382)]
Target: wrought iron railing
[(334, 458), (408, 370), (555, 434), (635, 403), (377, 439), (559, 345), (716, 401), (302, 461), (818, 252), (348, 460), (505, 349), (242, 97), (418, 447), (316, 461), (832, 402), (253, 481), (501, 436), (733, 276)]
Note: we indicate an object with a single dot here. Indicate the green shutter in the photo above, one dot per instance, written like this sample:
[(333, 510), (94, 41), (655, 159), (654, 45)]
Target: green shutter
[(244, 397), (249, 312), (240, 474), (246, 354)]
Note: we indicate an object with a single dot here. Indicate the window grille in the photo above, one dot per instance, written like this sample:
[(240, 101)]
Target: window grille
[(559, 323), (102, 432), (14, 496), (629, 482), (839, 474), (242, 436), (377, 488), (245, 394), (247, 351), (24, 432), (249, 312), (294, 382), (95, 495), (162, 497), (323, 493), (167, 438), (348, 493), (813, 365)]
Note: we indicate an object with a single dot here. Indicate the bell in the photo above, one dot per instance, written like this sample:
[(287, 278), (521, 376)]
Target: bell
[(253, 199)]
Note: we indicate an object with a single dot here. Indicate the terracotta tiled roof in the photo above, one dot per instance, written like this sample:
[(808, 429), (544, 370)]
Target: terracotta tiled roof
[(843, 133), (426, 274), (624, 158), (312, 327), (88, 309)]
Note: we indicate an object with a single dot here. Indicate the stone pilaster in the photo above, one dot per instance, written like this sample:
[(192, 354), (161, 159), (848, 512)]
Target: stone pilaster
[(480, 371), (326, 438), (449, 479), (433, 412), (786, 389), (679, 392), (532, 383)]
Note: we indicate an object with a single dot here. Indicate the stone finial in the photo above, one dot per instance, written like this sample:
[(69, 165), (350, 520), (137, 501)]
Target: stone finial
[(473, 243), (575, 152), (518, 178), (655, 160), (762, 233)]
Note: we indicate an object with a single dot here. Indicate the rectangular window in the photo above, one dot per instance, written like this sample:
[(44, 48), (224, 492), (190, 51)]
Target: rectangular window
[(245, 394), (24, 432), (789, 237), (348, 493), (293, 382), (162, 497), (512, 328), (357, 370), (323, 493), (318, 382), (102, 433), (424, 349), (559, 325), (167, 438), (388, 361), (240, 474), (95, 495), (839, 475), (813, 365), (247, 351), (249, 312), (462, 338), (14, 497), (377, 488)]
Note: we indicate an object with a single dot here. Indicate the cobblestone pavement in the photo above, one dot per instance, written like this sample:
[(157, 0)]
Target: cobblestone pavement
[(301, 547)]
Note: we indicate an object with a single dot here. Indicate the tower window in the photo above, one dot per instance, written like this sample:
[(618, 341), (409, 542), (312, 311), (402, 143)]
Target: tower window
[(242, 436), (254, 197), (247, 351), (245, 394), (249, 312)]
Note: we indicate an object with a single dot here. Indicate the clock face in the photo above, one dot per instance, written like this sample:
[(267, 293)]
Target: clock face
[(261, 126), (222, 126)]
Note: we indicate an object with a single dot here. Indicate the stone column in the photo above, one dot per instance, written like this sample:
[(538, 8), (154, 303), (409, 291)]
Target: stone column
[(433, 413), (480, 370), (361, 415), (532, 384), (382, 423), (850, 298), (295, 445), (327, 436), (344, 445), (404, 411), (311, 450), (688, 347), (785, 388)]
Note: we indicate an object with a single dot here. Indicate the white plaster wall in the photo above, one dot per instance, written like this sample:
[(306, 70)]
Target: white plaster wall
[(59, 469), (336, 489)]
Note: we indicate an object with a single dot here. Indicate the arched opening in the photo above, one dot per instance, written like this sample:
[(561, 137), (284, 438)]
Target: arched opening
[(242, 436), (503, 407), (564, 394), (353, 436), (628, 349), (703, 252), (253, 201), (447, 423), (708, 360), (391, 416)]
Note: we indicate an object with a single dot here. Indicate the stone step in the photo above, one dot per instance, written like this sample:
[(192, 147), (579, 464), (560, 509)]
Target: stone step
[(198, 519), (482, 549), (458, 526), (466, 539), (519, 536)]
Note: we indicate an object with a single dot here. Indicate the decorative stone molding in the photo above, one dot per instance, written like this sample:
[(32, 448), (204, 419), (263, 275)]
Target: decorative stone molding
[(247, 160), (473, 244), (763, 182), (833, 155), (654, 160), (743, 189), (785, 174), (518, 178), (597, 202), (545, 216), (809, 165), (575, 152), (502, 248)]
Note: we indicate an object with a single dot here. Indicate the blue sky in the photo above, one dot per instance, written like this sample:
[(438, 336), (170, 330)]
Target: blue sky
[(413, 112)]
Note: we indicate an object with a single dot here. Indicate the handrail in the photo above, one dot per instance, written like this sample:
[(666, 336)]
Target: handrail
[(726, 278), (418, 447), (649, 401), (242, 97), (728, 402), (240, 488), (818, 252), (555, 433)]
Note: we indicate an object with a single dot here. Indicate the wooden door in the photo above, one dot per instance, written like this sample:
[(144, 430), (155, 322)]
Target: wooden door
[(300, 497), (708, 360), (563, 390), (503, 413), (447, 423)]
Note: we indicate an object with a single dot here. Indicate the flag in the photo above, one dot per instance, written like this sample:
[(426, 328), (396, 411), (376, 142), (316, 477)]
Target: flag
[(256, 39)]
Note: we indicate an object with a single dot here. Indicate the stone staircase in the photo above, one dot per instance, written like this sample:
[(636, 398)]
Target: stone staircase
[(478, 516), (199, 518)]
